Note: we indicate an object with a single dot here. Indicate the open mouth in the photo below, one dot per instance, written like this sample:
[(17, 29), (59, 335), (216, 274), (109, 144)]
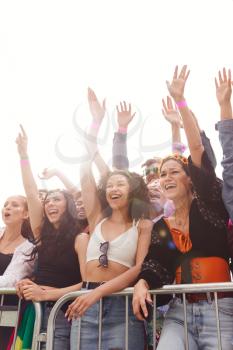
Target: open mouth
[(169, 186), (115, 196), (52, 212)]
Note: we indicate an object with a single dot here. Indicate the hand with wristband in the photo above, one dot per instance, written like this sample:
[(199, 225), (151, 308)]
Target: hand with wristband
[(176, 89), (177, 86), (171, 113), (124, 116), (223, 93)]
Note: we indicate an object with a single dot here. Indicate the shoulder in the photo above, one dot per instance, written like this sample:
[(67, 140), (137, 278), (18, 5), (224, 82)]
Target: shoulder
[(145, 225), (83, 236), (25, 247)]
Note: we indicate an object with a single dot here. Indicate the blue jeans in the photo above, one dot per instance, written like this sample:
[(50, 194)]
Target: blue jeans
[(202, 326), (113, 327), (62, 329)]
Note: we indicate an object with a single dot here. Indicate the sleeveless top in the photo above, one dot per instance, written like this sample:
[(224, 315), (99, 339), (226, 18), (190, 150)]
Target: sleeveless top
[(58, 268), (122, 249)]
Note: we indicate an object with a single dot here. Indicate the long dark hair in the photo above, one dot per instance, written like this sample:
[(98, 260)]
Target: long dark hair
[(53, 239), (138, 194)]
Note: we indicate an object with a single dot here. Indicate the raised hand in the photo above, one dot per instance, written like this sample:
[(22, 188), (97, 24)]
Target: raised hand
[(124, 114), (22, 142), (177, 86), (223, 87), (47, 173), (96, 108), (170, 112)]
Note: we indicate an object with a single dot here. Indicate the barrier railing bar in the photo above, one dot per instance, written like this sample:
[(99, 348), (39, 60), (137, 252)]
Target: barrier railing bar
[(126, 322), (100, 323), (79, 332), (16, 324), (169, 289), (154, 322), (217, 321), (37, 325), (185, 322)]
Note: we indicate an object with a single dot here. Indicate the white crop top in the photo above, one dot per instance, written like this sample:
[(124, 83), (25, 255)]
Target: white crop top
[(122, 249)]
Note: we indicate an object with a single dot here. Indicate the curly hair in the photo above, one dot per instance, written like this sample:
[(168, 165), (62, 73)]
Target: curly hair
[(53, 239), (138, 194)]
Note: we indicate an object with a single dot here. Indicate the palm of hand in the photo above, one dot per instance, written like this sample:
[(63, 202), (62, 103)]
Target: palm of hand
[(176, 88), (97, 110), (173, 117), (223, 93), (124, 118)]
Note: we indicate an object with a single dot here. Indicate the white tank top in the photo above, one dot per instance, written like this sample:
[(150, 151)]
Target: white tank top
[(122, 249)]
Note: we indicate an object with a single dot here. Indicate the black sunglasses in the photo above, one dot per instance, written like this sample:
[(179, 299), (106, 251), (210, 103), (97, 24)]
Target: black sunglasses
[(103, 259)]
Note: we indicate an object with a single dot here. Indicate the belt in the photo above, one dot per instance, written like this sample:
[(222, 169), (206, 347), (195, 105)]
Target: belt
[(207, 270), (91, 285), (195, 298)]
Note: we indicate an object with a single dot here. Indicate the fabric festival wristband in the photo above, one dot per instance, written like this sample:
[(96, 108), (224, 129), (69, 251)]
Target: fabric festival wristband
[(95, 125), (24, 161), (178, 147), (122, 130), (181, 104)]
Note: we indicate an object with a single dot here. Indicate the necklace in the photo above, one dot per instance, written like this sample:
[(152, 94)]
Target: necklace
[(180, 222)]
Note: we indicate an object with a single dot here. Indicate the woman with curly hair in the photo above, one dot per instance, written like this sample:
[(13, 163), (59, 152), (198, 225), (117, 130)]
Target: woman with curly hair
[(59, 248), (119, 239), (191, 245)]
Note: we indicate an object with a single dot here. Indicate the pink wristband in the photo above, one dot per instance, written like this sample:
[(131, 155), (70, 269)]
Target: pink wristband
[(122, 130), (24, 161), (95, 125), (181, 104)]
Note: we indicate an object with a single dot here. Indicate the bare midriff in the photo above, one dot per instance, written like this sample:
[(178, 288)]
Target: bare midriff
[(96, 273)]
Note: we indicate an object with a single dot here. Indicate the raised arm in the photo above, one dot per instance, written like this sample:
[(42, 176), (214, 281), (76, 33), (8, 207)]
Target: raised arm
[(48, 173), (90, 197), (176, 90), (97, 111), (119, 149), (206, 143), (172, 115), (30, 187), (225, 128)]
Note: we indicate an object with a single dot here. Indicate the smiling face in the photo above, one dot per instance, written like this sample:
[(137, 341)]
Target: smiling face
[(117, 191), (156, 195), (14, 210), (55, 207), (174, 181)]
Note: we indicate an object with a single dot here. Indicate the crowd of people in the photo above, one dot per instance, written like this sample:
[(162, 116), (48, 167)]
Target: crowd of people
[(173, 224)]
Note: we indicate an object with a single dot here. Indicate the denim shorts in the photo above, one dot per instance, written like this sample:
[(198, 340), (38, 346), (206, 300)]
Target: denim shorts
[(113, 327), (202, 325)]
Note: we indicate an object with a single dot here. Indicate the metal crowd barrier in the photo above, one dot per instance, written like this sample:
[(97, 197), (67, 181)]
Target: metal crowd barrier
[(9, 317), (181, 289)]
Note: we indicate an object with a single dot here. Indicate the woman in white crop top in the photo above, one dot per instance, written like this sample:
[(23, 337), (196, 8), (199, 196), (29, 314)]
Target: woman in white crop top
[(119, 240)]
